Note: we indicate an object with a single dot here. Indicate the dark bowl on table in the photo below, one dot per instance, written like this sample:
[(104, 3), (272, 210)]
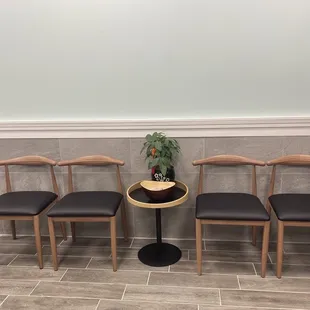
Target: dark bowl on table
[(158, 191)]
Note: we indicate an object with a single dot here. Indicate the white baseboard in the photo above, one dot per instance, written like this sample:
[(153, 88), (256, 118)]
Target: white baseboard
[(220, 127)]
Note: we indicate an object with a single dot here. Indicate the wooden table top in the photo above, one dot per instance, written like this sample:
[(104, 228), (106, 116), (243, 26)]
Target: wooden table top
[(137, 197)]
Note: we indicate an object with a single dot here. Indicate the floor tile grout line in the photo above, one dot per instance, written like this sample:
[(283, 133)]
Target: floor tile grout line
[(89, 263), (124, 292), (190, 287), (130, 247), (238, 282), (256, 290), (4, 300), (9, 264), (220, 297), (63, 275), (254, 269), (34, 288), (198, 307), (218, 288), (148, 278), (98, 304), (270, 258), (61, 296)]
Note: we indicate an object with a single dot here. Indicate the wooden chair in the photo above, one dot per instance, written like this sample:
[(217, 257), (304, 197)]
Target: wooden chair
[(89, 206), (28, 205), (290, 209), (231, 208)]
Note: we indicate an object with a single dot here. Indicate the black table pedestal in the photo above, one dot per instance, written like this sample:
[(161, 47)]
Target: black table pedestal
[(159, 254)]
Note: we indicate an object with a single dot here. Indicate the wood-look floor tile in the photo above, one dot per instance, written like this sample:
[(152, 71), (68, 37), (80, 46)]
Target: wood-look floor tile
[(17, 249), (106, 276), (206, 307), (127, 253), (302, 259), (123, 264), (214, 267), (22, 273), (96, 242), (48, 303), (11, 287), (226, 256), (70, 289), (237, 246), (191, 280), (245, 298), (172, 294), (274, 284), (64, 261), (21, 240), (5, 259), (287, 270), (131, 305), (297, 248), (79, 251)]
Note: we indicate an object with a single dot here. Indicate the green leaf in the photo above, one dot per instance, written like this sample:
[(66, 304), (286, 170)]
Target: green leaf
[(148, 138), (154, 162), (166, 161), (144, 147), (158, 146), (163, 169)]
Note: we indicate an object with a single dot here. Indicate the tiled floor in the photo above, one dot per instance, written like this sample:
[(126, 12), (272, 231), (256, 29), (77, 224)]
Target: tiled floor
[(85, 279)]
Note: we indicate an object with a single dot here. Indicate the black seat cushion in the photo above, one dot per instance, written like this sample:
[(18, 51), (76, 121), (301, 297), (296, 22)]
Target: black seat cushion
[(230, 206), (291, 207), (87, 204), (25, 203)]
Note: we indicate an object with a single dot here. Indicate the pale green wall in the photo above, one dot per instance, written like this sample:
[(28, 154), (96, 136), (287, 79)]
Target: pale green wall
[(80, 59)]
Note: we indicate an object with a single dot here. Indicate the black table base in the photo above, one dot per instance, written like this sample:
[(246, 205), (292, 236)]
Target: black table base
[(159, 254)]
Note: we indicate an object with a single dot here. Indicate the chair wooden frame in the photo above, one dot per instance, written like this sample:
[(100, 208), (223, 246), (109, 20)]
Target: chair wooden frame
[(95, 160), (31, 161), (289, 160), (231, 160)]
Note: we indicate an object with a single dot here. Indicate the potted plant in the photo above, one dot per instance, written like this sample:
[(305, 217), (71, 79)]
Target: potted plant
[(161, 153)]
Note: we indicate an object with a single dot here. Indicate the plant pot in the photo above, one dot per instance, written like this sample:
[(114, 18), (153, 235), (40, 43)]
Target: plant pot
[(158, 176)]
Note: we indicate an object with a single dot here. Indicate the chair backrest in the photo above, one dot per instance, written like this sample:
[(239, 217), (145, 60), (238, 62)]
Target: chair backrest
[(93, 160), (228, 160), (288, 160), (32, 160)]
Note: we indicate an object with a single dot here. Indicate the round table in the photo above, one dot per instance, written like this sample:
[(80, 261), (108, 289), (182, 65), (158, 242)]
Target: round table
[(158, 254)]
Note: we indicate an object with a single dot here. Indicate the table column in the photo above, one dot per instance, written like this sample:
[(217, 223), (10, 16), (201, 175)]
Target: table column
[(159, 254)]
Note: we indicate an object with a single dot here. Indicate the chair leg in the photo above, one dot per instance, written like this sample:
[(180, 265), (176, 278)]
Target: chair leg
[(198, 246), (124, 220), (73, 231), (280, 249), (13, 229), (254, 234), (265, 247), (37, 234), (63, 230), (113, 242), (51, 229)]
